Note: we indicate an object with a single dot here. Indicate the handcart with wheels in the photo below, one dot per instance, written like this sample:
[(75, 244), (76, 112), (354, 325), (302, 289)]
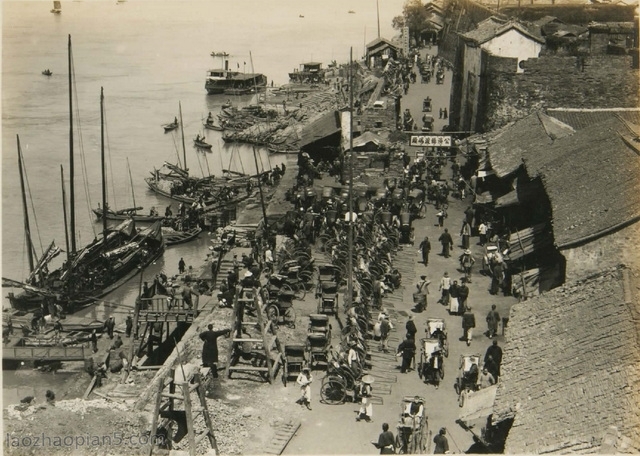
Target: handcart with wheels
[(413, 428)]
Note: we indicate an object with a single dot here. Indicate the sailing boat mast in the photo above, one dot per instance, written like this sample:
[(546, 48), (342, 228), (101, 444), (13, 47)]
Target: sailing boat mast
[(72, 209), (133, 195), (350, 241), (184, 148), (64, 211), (27, 230), (264, 209), (104, 171)]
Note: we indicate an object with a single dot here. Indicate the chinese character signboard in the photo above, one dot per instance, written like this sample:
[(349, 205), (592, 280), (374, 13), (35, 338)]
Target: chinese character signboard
[(431, 140)]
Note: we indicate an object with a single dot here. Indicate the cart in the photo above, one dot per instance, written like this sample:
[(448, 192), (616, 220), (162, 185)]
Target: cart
[(295, 358), (427, 122), (412, 429), (318, 339), (426, 105), (328, 302)]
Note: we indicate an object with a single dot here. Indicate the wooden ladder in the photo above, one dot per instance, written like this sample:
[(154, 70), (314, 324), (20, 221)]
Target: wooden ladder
[(185, 418), (267, 337)]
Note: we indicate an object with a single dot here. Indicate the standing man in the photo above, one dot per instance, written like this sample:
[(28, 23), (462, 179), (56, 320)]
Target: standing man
[(482, 232), (425, 248), (485, 379), (468, 323), (494, 352), (210, 348), (497, 278), (493, 318), (463, 295), (94, 341), (109, 325), (304, 380), (469, 213), (465, 232), (386, 441), (181, 266), (467, 261), (408, 350), (445, 286), (385, 328), (447, 243), (411, 328), (128, 325), (442, 444), (423, 289)]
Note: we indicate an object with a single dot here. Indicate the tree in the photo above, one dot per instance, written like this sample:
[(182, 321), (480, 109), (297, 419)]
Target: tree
[(414, 16)]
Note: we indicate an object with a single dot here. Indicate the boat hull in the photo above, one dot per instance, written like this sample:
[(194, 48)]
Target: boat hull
[(180, 237), (137, 218)]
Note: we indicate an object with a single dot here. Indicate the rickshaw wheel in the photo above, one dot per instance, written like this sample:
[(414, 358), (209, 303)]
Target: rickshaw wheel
[(461, 399), (272, 312), (419, 366), (333, 391), (290, 317), (441, 372), (456, 386)]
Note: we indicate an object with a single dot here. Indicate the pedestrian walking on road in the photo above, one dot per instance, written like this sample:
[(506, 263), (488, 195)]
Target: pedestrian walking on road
[(493, 319), (385, 328), (463, 295), (465, 233), (407, 350), (445, 286), (304, 380), (411, 328), (442, 444), (468, 323), (467, 261), (447, 243), (109, 325), (94, 341), (494, 352), (386, 441), (128, 325), (424, 248), (181, 266), (445, 113)]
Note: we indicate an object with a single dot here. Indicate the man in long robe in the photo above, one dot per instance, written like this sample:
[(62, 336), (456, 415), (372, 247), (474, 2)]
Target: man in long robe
[(210, 348)]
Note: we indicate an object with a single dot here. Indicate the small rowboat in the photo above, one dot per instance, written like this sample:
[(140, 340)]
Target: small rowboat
[(170, 127), (47, 72), (200, 144), (173, 237), (210, 126)]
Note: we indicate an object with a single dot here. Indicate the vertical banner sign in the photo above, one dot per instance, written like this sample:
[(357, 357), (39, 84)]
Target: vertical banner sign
[(405, 40), (345, 123)]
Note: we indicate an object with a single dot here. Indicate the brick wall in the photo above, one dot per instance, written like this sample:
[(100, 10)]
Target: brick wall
[(557, 81), (608, 251)]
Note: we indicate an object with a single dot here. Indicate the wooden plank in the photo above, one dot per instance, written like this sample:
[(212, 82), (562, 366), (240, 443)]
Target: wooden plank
[(248, 368)]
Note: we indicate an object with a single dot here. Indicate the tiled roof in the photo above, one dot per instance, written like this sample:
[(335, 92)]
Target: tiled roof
[(492, 27), (323, 126), (514, 142), (592, 181), (380, 41), (571, 367), (580, 118), (547, 19)]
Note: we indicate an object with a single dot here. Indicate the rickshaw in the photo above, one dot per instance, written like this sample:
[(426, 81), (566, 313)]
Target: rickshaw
[(318, 339), (380, 195), (328, 301), (413, 428), (416, 203), (468, 376), (436, 329), (434, 349), (440, 76), (426, 105), (405, 227), (295, 358), (327, 193), (427, 123), (281, 305), (385, 218)]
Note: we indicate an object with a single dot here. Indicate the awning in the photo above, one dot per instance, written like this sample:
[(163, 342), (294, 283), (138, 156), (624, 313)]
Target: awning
[(368, 141), (484, 198), (524, 242), (509, 199), (486, 173), (323, 126), (478, 404)]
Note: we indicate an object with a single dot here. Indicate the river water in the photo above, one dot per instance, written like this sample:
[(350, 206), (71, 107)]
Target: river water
[(148, 56)]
